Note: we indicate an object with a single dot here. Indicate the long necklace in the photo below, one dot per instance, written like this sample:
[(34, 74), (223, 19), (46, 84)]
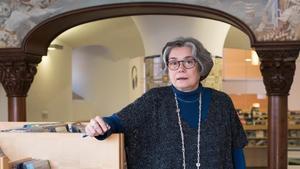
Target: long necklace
[(182, 135), (188, 101)]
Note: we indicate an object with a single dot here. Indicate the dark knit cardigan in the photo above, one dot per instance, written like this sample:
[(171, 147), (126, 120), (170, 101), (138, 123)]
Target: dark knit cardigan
[(152, 134)]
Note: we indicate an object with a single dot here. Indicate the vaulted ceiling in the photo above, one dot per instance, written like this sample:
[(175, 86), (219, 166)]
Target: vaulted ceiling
[(145, 35)]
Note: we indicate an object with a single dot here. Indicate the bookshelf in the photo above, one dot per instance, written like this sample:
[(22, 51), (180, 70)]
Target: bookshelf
[(256, 151), (257, 135)]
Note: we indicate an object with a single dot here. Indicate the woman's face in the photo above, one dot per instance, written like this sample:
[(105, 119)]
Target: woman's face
[(183, 79)]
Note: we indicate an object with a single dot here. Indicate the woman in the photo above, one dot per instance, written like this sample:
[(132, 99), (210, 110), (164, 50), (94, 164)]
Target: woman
[(180, 126)]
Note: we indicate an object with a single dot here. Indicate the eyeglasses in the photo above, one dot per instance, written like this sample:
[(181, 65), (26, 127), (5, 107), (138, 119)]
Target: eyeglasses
[(187, 64)]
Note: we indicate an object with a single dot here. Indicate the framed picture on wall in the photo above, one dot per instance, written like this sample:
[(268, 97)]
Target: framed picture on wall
[(134, 77)]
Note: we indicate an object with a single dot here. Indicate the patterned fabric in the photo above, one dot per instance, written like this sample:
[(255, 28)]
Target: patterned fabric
[(152, 135)]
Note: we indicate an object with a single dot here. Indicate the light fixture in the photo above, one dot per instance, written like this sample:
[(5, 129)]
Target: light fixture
[(248, 60), (55, 47), (254, 58), (256, 105)]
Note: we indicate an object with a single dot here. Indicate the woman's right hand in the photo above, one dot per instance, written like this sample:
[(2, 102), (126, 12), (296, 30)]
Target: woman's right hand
[(97, 126)]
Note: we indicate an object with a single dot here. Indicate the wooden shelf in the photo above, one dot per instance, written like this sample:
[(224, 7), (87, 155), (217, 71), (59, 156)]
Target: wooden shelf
[(260, 128), (264, 138), (294, 127), (265, 127), (255, 127), (256, 147), (290, 148), (257, 138)]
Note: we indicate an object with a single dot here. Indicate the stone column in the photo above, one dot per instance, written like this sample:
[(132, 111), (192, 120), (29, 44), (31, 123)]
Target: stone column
[(278, 68), (16, 76)]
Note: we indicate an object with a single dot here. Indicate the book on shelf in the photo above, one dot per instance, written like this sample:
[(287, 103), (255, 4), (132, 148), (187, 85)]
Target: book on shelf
[(40, 127), (36, 164), (61, 127), (29, 163), (1, 153), (18, 164)]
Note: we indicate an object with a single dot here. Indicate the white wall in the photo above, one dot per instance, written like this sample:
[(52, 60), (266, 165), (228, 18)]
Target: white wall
[(102, 82), (237, 39), (50, 92), (294, 97), (244, 86), (156, 30), (3, 105)]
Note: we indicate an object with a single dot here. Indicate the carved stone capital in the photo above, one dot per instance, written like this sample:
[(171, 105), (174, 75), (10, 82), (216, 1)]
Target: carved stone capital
[(278, 68), (16, 77)]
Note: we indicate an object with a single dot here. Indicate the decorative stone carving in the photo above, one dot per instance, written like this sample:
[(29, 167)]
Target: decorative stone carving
[(16, 77), (19, 17), (278, 68)]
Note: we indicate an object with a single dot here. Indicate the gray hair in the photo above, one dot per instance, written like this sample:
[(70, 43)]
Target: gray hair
[(202, 56)]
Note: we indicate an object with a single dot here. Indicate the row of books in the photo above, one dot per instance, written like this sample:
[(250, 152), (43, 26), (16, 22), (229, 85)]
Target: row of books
[(256, 117), (27, 163), (49, 127), (30, 164)]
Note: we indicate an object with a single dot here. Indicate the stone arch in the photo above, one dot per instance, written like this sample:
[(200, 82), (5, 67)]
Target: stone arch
[(39, 38)]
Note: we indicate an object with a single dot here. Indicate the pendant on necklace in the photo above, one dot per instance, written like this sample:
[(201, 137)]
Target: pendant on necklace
[(198, 164)]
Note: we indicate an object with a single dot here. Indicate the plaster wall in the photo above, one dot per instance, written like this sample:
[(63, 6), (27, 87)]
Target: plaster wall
[(49, 98), (101, 82), (294, 97), (3, 105), (211, 33)]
